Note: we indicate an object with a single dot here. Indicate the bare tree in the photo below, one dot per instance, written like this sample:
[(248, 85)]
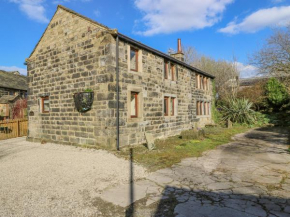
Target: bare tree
[(225, 72), (274, 57)]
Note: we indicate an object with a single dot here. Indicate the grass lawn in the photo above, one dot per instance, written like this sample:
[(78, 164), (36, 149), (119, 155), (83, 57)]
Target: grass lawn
[(172, 150)]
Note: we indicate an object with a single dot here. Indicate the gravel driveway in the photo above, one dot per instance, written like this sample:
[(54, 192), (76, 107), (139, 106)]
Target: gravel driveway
[(56, 180)]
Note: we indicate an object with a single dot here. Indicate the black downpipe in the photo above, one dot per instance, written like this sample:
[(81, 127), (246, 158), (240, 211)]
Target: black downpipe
[(118, 92)]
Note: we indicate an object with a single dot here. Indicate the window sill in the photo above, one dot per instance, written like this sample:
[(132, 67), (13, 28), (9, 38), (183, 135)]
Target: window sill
[(169, 80), (203, 116), (134, 72), (133, 120), (207, 92), (44, 114), (170, 117), (202, 90)]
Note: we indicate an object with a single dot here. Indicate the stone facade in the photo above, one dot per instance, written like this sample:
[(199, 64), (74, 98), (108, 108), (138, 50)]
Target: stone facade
[(76, 53)]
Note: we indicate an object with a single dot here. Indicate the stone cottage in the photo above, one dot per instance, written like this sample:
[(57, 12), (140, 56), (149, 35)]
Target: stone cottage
[(13, 84), (144, 91)]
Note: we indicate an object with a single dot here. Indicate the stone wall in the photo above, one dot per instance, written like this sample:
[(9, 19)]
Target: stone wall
[(75, 54), (150, 83)]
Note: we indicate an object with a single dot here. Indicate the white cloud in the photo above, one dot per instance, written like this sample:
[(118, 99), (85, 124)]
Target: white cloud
[(259, 20), (247, 71), (34, 9), (167, 16), (97, 13), (14, 68)]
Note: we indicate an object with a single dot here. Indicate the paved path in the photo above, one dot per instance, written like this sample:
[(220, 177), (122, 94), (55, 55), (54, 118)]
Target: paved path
[(248, 177)]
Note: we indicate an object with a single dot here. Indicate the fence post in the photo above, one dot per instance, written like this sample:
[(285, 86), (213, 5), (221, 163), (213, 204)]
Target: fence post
[(18, 128)]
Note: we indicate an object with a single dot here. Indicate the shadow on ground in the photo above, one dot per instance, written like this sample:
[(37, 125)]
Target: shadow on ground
[(192, 203), (278, 135), (259, 165)]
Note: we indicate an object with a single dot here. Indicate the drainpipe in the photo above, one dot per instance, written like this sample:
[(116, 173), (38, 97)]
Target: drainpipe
[(118, 92)]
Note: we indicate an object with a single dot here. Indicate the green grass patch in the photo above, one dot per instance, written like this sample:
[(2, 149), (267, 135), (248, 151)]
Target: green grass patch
[(172, 150)]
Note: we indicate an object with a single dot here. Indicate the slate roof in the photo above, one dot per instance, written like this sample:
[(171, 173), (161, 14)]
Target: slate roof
[(13, 81), (7, 99)]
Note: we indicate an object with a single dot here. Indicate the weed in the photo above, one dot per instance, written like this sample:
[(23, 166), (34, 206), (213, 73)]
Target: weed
[(172, 150)]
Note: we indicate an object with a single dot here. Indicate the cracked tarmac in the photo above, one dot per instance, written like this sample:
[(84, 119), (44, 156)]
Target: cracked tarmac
[(247, 177)]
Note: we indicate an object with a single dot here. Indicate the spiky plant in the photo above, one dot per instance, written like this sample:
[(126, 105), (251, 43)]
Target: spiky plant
[(239, 111)]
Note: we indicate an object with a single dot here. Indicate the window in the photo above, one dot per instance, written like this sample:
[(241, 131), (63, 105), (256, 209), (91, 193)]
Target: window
[(202, 108), (172, 69), (197, 77), (133, 59), (207, 83), (166, 70), (201, 82), (197, 108), (134, 105), (172, 106), (45, 104), (166, 107), (207, 108)]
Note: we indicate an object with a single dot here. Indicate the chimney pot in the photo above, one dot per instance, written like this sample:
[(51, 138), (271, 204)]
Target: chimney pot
[(179, 49)]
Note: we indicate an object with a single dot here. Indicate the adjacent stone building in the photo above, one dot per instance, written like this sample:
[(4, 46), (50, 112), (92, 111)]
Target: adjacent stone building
[(157, 93), (12, 83), (6, 105)]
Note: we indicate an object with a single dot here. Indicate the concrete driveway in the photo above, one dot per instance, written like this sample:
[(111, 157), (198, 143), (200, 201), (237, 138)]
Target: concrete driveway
[(55, 180), (247, 177)]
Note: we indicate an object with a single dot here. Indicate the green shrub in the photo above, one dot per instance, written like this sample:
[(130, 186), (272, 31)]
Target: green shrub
[(216, 116), (279, 118), (238, 111), (262, 119), (276, 94)]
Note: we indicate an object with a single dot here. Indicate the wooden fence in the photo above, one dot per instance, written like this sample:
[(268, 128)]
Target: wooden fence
[(13, 128)]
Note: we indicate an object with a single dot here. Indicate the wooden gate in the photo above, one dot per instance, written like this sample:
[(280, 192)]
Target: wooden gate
[(13, 128)]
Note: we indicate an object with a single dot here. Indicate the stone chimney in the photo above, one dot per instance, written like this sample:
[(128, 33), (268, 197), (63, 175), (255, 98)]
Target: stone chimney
[(179, 55)]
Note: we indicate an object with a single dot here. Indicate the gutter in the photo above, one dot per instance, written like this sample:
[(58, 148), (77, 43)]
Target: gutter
[(118, 93)]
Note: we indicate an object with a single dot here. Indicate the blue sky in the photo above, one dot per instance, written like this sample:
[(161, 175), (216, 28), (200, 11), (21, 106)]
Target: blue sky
[(217, 28)]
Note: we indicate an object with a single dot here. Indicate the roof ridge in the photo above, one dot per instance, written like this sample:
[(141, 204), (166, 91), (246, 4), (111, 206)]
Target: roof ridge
[(82, 16), (10, 73)]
